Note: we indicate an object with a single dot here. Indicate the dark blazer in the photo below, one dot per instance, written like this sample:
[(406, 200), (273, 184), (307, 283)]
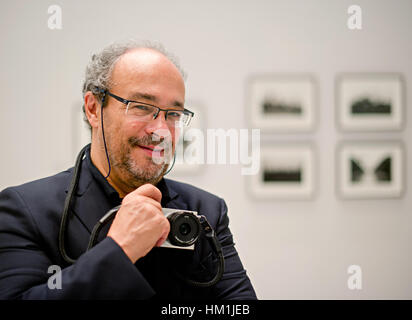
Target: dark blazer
[(30, 217)]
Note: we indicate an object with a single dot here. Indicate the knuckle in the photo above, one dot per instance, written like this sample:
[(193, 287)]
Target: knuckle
[(143, 189), (158, 218), (148, 206), (161, 221), (165, 223), (129, 198), (141, 205)]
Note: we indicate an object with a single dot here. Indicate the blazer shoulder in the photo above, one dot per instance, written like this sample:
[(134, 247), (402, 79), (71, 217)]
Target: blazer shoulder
[(186, 190), (56, 180), (44, 188)]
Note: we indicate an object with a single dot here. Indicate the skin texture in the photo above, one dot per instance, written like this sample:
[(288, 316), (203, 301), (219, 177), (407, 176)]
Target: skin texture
[(139, 224)]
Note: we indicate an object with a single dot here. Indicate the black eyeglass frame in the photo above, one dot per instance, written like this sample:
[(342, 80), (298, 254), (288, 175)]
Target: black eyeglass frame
[(126, 102)]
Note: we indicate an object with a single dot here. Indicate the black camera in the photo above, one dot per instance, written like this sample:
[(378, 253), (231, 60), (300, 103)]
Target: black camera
[(185, 228)]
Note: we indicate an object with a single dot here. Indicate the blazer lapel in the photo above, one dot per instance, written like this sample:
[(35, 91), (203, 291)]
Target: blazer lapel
[(170, 198), (89, 204)]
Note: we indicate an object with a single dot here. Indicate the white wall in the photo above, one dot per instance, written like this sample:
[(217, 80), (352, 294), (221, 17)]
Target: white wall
[(291, 249)]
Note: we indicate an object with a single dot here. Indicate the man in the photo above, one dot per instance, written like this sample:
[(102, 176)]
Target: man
[(134, 102)]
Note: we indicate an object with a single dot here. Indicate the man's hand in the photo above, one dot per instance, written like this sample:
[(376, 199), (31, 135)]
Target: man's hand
[(139, 224)]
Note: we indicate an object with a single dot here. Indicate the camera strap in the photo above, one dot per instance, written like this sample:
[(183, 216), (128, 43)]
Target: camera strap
[(210, 235), (208, 232)]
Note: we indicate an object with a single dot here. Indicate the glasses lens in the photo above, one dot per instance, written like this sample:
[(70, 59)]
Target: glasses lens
[(140, 111), (185, 119), (174, 116), (143, 112)]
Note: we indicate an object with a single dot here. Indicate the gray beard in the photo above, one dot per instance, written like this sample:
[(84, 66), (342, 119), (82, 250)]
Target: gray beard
[(152, 173)]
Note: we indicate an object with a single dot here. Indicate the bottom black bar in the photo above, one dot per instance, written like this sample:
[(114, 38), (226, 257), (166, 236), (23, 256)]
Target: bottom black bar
[(237, 310)]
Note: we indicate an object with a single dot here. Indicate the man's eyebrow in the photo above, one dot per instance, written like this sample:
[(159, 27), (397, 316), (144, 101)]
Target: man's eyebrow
[(138, 96), (145, 96), (177, 104)]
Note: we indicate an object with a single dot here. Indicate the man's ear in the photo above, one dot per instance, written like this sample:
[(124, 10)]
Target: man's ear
[(91, 108)]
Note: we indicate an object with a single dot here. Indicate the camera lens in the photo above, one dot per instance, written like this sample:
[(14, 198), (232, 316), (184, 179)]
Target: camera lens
[(184, 228)]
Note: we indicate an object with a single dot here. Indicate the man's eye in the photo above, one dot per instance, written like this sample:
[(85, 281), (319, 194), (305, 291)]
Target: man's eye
[(143, 107), (174, 114), (140, 108)]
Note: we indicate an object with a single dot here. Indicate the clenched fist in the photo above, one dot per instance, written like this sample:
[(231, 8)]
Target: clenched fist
[(139, 224)]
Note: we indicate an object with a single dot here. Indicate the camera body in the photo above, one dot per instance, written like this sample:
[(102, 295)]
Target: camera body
[(185, 228)]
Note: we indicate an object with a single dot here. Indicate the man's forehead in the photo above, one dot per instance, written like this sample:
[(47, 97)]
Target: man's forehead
[(145, 64), (137, 95), (144, 59), (147, 74)]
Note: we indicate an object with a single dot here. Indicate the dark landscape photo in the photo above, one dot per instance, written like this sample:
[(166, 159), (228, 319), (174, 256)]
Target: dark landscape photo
[(274, 106), (282, 175), (370, 106)]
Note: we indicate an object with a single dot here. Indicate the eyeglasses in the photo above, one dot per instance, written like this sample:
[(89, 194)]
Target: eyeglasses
[(146, 112)]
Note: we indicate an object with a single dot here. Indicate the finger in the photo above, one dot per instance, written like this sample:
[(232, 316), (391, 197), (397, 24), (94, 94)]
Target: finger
[(160, 242), (149, 190), (154, 203), (134, 200), (162, 239)]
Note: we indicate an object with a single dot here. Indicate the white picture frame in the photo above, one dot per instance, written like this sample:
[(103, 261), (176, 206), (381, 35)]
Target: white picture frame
[(287, 172), (282, 103), (370, 170), (370, 102)]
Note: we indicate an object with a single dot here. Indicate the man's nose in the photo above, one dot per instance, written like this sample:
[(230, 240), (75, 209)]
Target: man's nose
[(158, 125)]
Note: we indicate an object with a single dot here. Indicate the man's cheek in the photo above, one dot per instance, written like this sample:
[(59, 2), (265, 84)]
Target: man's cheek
[(163, 152)]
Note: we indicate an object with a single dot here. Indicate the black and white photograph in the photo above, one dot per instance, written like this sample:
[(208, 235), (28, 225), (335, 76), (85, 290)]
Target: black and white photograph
[(370, 102), (282, 102), (287, 172), (368, 170)]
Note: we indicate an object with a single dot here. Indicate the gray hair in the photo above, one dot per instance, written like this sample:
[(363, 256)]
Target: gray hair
[(100, 67)]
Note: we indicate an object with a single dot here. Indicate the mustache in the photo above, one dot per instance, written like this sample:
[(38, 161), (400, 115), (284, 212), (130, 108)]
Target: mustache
[(147, 140)]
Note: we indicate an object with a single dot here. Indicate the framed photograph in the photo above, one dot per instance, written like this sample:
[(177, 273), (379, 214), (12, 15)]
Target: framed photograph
[(282, 103), (370, 102), (190, 148), (287, 171), (368, 170)]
